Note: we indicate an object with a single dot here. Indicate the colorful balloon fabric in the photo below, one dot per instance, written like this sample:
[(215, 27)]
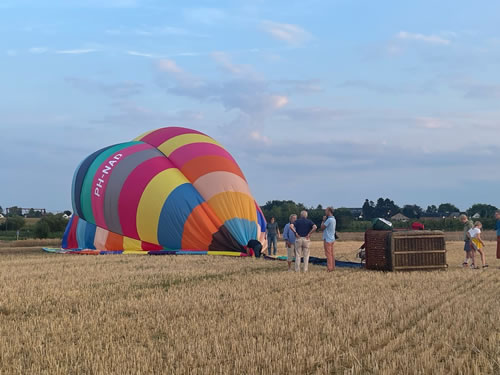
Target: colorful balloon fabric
[(170, 189)]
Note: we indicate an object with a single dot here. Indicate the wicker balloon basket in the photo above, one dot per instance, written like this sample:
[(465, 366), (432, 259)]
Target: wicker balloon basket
[(405, 250)]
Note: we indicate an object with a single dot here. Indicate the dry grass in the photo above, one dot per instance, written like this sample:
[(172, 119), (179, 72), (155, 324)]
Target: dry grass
[(62, 314), (53, 242)]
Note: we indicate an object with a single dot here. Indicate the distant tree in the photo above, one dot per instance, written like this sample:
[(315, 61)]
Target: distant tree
[(42, 229), (431, 211), (343, 217), (315, 215), (484, 210), (1, 210), (14, 222), (368, 210), (281, 210), (412, 211), (447, 208), (56, 223), (386, 208)]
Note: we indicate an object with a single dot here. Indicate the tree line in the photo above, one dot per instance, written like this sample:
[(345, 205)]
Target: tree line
[(386, 208), (433, 217), (48, 225)]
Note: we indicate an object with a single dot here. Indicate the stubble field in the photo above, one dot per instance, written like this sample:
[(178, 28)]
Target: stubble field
[(118, 314)]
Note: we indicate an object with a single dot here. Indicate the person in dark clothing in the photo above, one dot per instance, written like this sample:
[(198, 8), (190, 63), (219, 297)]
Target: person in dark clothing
[(303, 228), (254, 247), (272, 235)]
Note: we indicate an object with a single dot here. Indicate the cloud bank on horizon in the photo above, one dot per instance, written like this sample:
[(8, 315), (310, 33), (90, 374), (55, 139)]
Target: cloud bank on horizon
[(328, 102)]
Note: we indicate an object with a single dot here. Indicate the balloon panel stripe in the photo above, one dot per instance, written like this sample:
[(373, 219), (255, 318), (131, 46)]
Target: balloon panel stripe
[(214, 183), (203, 165), (116, 183), (80, 177), (186, 153), (159, 136), (87, 186), (152, 200), (199, 228), (104, 173), (133, 189), (174, 143), (177, 208)]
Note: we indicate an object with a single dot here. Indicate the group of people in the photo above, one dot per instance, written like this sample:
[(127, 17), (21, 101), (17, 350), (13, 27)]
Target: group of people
[(297, 236), (473, 242)]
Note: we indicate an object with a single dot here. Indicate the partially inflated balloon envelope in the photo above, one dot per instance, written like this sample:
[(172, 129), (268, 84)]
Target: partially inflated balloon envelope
[(169, 189)]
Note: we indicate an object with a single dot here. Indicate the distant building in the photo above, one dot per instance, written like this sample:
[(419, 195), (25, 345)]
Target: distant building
[(400, 217), (356, 212), (1, 216), (476, 216), (454, 215)]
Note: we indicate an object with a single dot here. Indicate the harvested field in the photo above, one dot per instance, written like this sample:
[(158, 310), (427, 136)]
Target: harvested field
[(120, 314)]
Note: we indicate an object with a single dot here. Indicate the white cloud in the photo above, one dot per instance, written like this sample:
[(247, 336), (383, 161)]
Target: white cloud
[(291, 34), (257, 136), (38, 50), (155, 31), (169, 66), (432, 39), (76, 51), (433, 123), (11, 52), (141, 54), (224, 61), (248, 93), (278, 101)]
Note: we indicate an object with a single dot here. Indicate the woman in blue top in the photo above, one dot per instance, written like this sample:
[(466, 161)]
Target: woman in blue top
[(328, 226)]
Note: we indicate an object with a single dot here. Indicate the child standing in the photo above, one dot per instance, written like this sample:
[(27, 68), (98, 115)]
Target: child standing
[(469, 252), (477, 243)]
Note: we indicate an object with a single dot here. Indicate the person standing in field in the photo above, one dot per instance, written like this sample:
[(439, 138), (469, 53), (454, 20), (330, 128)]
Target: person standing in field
[(497, 216), (328, 225), (469, 252), (272, 235), (477, 243), (302, 228), (289, 238)]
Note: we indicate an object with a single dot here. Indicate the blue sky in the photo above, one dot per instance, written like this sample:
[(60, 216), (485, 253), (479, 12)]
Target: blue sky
[(321, 102)]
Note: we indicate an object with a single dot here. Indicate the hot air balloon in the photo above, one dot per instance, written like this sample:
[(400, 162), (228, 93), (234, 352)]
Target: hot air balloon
[(169, 190)]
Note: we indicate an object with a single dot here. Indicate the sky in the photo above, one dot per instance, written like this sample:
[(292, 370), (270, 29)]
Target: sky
[(322, 102)]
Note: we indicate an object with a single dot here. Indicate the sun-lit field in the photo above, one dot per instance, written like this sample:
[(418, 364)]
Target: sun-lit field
[(119, 314)]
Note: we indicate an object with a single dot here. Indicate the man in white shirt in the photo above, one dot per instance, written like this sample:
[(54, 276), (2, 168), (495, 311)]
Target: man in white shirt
[(328, 226)]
